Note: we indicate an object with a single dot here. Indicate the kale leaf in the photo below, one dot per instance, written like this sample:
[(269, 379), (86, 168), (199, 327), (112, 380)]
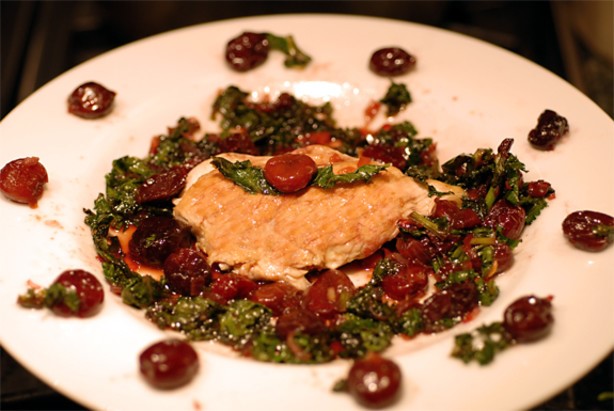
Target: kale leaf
[(245, 175), (396, 99), (326, 178), (295, 57)]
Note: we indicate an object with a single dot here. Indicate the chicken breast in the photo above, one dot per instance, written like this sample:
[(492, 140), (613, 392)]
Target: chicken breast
[(282, 237)]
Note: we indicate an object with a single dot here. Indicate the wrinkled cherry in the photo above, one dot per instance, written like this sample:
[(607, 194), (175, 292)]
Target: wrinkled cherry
[(459, 218), (391, 61), (508, 218), (238, 143), (528, 318), (162, 186), (589, 230), (88, 290), (289, 173), (298, 320), (410, 280), (503, 256), (186, 271), (230, 286), (247, 51), (386, 154), (550, 128), (329, 294), (374, 381), (23, 180), (277, 296), (169, 364), (418, 251), (539, 188), (91, 100), (155, 238), (453, 302)]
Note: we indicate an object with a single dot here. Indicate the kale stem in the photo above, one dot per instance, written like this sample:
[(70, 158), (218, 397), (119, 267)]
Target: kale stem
[(426, 223), (483, 240), (490, 197)]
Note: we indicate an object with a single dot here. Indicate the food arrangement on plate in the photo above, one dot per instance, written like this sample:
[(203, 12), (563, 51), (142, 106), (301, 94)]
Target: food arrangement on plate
[(293, 240)]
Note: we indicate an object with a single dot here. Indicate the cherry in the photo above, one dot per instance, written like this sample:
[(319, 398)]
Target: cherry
[(329, 294), (503, 256), (23, 180), (276, 296), (410, 280), (186, 271), (91, 100), (550, 128), (169, 364), (391, 61), (374, 381), (528, 318), (155, 238), (230, 286), (88, 290), (162, 186), (510, 219), (289, 173), (589, 230), (296, 319), (247, 51)]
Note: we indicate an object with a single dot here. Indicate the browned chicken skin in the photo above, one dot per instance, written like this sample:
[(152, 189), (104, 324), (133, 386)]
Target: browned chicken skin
[(282, 237)]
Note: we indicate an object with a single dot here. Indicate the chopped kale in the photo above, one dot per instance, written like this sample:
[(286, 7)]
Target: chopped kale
[(141, 291), (298, 348), (368, 302), (178, 147), (410, 322), (384, 267), (358, 336), (396, 99), (481, 345), (499, 174), (49, 297), (241, 320), (196, 317), (273, 127)]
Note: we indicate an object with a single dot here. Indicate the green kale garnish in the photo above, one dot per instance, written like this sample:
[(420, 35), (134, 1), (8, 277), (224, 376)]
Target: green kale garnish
[(272, 126), (358, 336), (410, 322), (396, 99), (196, 317), (252, 180), (368, 302), (242, 320), (326, 178), (482, 344), (245, 175), (297, 348), (295, 57), (49, 297), (499, 174), (140, 291)]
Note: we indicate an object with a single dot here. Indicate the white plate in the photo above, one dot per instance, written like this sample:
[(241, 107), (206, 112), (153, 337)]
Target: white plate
[(467, 94)]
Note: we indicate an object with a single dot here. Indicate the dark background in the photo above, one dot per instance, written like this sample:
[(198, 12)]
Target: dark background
[(42, 39)]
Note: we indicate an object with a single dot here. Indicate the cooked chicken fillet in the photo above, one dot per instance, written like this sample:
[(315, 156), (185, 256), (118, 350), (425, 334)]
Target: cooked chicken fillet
[(282, 237)]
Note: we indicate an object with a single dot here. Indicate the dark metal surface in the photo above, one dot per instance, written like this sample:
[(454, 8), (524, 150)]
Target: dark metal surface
[(40, 40)]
